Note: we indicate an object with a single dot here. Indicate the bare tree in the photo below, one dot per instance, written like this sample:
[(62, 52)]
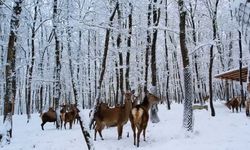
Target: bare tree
[(57, 84), (188, 112), (156, 17), (167, 54), (10, 72), (130, 22), (213, 15), (103, 67)]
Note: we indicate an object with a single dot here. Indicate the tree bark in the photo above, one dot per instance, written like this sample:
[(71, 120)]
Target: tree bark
[(57, 83), (188, 112), (156, 17), (30, 68), (148, 47), (240, 66), (10, 72), (214, 25), (166, 53), (118, 43), (130, 22)]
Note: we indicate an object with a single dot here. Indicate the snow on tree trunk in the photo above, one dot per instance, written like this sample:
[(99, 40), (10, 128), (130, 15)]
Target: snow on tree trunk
[(156, 17), (188, 112), (85, 131), (57, 84), (10, 71)]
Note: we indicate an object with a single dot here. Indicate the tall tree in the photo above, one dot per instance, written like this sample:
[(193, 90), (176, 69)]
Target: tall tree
[(213, 15), (31, 66), (166, 54), (148, 47), (188, 112), (156, 19), (103, 66), (57, 83), (118, 43), (130, 22), (10, 72), (69, 37)]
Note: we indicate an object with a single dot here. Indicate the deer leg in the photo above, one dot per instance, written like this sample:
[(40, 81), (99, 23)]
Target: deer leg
[(95, 135), (138, 137), (57, 124), (65, 125), (119, 128), (61, 121), (99, 129), (43, 125), (144, 134), (133, 128), (70, 124), (100, 133)]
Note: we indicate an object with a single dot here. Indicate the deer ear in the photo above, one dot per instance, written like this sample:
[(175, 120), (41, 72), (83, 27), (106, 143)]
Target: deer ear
[(133, 91)]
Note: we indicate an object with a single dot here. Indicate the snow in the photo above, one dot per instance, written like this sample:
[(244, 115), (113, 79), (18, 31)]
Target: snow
[(225, 131)]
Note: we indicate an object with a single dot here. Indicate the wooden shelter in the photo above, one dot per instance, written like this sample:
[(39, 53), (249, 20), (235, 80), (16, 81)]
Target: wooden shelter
[(234, 74)]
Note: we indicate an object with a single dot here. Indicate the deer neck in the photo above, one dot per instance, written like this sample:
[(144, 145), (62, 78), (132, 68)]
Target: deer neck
[(145, 104), (128, 106)]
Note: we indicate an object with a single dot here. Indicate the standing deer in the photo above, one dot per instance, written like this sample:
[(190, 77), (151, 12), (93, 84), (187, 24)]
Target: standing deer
[(68, 114), (233, 103), (139, 116), (49, 116), (110, 117)]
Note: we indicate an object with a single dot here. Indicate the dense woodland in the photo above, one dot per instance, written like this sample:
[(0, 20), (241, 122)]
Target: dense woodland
[(77, 51)]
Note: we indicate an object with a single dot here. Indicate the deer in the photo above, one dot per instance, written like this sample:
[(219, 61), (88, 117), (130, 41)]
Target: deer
[(233, 103), (139, 116), (113, 117), (49, 116), (68, 116)]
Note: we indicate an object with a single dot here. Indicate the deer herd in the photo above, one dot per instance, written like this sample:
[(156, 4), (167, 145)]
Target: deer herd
[(118, 116)]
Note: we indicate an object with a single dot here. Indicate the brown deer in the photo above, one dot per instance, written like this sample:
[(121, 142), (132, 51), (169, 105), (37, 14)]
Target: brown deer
[(234, 103), (139, 116), (68, 114), (49, 116), (111, 117)]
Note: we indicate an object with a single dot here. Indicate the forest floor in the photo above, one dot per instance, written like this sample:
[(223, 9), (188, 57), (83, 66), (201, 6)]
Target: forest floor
[(225, 131)]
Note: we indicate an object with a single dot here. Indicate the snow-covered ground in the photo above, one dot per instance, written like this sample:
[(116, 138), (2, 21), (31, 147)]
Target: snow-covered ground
[(226, 131)]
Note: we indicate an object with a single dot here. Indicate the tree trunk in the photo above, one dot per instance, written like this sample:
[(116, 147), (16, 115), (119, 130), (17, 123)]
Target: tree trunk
[(70, 55), (156, 17), (30, 68), (148, 47), (57, 83), (118, 43), (214, 25), (129, 47), (103, 67), (10, 72), (166, 53), (188, 112), (241, 82)]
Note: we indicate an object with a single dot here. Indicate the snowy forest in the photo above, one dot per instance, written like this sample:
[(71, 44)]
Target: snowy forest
[(58, 53)]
